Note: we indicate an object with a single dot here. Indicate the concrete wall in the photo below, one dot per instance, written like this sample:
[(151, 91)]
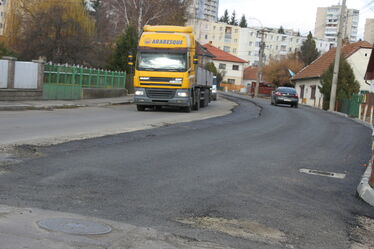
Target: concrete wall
[(3, 73)]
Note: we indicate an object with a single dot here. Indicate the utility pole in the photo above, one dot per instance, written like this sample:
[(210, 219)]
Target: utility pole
[(261, 61), (337, 58)]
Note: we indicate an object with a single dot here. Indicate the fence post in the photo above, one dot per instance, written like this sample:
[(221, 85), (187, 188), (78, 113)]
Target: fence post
[(112, 81), (11, 70), (41, 66), (81, 76), (89, 77)]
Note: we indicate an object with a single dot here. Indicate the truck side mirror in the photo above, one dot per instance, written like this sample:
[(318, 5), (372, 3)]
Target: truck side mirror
[(130, 61), (195, 60)]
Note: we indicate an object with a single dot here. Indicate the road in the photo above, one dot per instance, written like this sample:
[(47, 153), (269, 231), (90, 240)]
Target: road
[(231, 180), (63, 125)]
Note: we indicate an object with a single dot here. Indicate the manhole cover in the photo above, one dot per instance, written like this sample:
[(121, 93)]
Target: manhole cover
[(74, 226), (322, 173)]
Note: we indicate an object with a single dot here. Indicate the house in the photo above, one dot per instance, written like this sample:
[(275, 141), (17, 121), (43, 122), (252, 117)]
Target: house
[(369, 76), (308, 79), (232, 66), (249, 76)]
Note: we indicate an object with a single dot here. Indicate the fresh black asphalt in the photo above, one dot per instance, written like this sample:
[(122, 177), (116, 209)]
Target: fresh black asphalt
[(241, 166)]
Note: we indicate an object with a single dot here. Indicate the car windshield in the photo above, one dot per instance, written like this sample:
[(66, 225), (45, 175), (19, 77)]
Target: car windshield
[(162, 62), (286, 90)]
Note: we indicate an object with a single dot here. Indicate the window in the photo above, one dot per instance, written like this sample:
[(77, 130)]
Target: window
[(206, 37), (236, 30), (226, 49), (231, 81), (250, 44), (235, 40), (222, 66), (313, 92), (235, 67), (249, 53), (234, 50)]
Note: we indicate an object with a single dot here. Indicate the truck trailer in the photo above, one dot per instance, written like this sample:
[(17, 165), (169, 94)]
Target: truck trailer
[(169, 69)]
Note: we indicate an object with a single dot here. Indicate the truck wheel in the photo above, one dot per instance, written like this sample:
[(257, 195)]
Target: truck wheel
[(205, 101), (196, 105), (187, 109), (140, 108)]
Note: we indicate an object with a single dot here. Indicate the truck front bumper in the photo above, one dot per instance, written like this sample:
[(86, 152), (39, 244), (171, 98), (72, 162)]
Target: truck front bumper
[(164, 102), (173, 100)]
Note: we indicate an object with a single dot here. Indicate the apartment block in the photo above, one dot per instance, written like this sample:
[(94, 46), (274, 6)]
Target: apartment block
[(204, 10), (369, 30), (245, 42), (327, 20)]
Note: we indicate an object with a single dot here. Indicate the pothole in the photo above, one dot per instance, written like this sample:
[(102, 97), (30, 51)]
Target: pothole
[(238, 228), (322, 173), (74, 226)]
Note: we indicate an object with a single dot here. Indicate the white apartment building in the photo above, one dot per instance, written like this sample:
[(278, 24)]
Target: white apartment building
[(369, 30), (2, 16), (244, 42), (204, 10), (327, 19)]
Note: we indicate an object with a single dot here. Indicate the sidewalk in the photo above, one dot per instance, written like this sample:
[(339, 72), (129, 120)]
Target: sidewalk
[(62, 104)]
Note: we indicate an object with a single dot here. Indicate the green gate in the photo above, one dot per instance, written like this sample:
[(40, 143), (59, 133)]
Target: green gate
[(351, 106)]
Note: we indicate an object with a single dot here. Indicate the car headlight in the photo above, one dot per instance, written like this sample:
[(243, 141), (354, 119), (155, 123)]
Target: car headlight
[(139, 92), (182, 94)]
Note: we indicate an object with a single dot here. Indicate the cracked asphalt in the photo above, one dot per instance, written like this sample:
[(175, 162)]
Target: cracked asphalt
[(235, 178)]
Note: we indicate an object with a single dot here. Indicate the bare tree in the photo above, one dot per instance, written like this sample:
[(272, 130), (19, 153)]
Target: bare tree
[(138, 13)]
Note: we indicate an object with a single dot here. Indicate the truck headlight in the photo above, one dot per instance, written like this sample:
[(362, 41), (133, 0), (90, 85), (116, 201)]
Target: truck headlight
[(140, 92), (214, 90), (176, 81), (182, 94)]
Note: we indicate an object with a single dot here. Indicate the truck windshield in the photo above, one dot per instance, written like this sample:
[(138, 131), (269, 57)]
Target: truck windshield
[(162, 62)]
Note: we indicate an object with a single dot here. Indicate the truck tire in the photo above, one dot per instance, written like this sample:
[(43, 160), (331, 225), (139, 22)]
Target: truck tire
[(205, 101), (140, 108), (196, 105)]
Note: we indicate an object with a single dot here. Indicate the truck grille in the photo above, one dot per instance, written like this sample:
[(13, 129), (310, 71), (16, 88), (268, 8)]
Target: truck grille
[(160, 93), (157, 79)]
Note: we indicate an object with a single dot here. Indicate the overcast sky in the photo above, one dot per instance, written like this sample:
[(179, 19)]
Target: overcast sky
[(293, 14)]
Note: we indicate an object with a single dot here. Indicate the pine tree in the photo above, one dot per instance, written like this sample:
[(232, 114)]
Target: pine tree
[(243, 22), (125, 45), (309, 50), (347, 84), (281, 30), (233, 20), (225, 17)]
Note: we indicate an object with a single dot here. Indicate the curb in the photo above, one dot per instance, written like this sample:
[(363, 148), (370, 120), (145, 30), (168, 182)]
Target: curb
[(59, 106), (364, 190)]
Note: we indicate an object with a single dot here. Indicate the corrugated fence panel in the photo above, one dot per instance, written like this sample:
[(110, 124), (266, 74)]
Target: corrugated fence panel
[(3, 73), (26, 75)]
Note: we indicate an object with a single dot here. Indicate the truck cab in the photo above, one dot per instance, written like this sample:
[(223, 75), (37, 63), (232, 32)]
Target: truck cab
[(167, 68)]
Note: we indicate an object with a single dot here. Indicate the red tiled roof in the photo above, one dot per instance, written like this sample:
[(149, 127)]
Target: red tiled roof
[(320, 65), (250, 73), (370, 70), (221, 55)]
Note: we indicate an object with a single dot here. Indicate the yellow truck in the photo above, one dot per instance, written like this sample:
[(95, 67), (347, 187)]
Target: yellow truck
[(169, 69)]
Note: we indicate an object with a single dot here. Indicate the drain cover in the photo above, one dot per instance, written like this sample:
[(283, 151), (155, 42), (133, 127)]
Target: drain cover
[(74, 226), (322, 173)]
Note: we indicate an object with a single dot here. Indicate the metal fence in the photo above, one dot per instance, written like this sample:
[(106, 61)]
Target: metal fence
[(83, 77), (67, 82)]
